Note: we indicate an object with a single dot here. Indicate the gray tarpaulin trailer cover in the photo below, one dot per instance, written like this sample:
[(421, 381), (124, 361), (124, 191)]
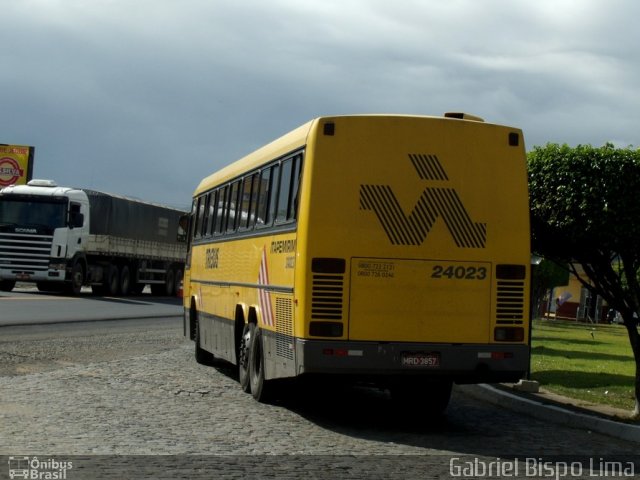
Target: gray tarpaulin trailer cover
[(128, 218)]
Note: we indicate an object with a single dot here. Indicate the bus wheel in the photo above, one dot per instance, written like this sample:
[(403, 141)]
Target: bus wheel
[(260, 388), (202, 356), (243, 356)]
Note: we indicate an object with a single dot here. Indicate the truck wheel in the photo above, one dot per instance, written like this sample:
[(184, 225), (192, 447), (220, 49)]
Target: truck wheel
[(113, 281), (77, 279), (261, 389), (7, 285), (125, 281)]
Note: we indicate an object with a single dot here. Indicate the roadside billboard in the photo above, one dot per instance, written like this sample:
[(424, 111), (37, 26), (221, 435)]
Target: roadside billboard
[(16, 164)]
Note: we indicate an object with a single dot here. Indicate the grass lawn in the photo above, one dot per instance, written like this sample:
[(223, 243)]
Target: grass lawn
[(588, 362)]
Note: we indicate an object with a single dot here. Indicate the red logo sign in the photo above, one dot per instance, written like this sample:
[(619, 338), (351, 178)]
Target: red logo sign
[(10, 171)]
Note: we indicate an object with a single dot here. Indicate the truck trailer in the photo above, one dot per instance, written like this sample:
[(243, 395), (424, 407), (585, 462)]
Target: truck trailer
[(63, 238)]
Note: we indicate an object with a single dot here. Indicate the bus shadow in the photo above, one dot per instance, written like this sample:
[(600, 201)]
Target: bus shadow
[(359, 410)]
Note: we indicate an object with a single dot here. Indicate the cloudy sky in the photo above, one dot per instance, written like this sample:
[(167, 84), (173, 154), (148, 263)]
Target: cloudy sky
[(146, 97)]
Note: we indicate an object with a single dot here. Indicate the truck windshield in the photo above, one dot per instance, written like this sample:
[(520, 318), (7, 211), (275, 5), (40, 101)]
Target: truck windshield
[(22, 211)]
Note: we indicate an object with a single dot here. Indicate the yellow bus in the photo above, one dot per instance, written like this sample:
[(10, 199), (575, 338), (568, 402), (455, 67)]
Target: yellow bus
[(391, 249)]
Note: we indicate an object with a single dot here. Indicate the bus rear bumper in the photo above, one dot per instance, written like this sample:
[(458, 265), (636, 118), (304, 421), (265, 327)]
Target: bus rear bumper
[(461, 363)]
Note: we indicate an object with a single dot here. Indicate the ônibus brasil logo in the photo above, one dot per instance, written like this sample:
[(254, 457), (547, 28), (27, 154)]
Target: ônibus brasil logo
[(10, 171), (34, 468), (434, 202)]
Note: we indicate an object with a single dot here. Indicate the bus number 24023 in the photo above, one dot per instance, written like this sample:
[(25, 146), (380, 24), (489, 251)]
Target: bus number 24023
[(459, 272)]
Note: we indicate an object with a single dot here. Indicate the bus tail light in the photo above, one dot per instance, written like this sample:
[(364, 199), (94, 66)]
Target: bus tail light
[(508, 334)]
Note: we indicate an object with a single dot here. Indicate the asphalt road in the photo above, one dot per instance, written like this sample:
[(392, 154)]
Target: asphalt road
[(28, 306)]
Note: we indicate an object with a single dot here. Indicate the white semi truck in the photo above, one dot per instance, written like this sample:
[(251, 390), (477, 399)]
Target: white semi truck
[(64, 238)]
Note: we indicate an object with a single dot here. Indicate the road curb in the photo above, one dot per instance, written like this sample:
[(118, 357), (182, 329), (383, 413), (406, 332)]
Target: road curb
[(552, 413)]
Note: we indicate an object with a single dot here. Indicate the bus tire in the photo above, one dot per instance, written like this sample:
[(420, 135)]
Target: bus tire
[(203, 357), (244, 351), (260, 388)]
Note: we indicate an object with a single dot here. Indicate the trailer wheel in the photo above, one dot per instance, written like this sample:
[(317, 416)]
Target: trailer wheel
[(178, 280), (261, 389), (113, 280), (7, 285), (169, 282), (125, 281)]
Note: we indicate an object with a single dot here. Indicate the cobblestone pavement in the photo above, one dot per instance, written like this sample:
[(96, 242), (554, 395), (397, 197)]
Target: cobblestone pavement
[(160, 402)]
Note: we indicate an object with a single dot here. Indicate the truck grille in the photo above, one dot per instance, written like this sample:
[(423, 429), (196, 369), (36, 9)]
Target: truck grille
[(22, 253)]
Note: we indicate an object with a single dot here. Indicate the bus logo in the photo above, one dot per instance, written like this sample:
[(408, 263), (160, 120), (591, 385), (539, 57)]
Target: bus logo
[(434, 203)]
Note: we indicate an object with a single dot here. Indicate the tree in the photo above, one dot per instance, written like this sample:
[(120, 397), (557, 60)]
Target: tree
[(585, 210), (546, 276)]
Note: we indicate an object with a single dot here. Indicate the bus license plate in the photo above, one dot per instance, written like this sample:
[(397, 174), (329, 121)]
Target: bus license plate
[(420, 359)]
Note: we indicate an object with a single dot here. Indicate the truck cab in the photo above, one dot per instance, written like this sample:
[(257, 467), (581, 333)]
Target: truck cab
[(43, 230), (64, 238)]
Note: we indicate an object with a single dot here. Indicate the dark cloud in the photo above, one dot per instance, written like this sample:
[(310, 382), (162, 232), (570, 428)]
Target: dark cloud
[(146, 101)]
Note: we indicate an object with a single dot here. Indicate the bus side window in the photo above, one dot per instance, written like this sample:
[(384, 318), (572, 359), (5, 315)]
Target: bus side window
[(234, 207), (205, 214), (295, 187), (273, 194), (220, 214), (285, 191), (245, 202), (263, 197), (211, 215), (254, 200)]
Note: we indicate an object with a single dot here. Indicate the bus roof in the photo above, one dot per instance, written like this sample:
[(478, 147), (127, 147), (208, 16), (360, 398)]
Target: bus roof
[(296, 139), (291, 141)]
